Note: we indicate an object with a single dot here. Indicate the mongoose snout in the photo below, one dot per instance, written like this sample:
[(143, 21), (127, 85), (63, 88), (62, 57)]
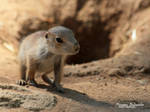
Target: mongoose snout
[(44, 52), (76, 47)]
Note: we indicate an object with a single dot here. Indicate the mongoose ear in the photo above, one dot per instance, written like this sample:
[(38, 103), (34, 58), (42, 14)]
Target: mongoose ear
[(49, 34)]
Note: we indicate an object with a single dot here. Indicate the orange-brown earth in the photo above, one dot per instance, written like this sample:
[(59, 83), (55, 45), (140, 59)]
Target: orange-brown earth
[(103, 28)]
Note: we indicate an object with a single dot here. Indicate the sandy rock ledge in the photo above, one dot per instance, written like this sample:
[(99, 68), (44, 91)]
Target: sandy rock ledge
[(13, 96)]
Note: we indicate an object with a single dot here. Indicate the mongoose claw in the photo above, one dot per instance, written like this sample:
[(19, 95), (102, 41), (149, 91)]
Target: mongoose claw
[(21, 82), (32, 83)]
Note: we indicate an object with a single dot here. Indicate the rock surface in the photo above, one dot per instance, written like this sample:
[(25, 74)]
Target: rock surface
[(12, 96)]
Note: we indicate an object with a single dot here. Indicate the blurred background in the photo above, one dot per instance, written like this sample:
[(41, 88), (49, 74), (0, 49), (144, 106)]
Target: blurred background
[(102, 27)]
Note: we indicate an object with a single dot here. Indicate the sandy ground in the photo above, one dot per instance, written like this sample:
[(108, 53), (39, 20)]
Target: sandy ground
[(97, 93)]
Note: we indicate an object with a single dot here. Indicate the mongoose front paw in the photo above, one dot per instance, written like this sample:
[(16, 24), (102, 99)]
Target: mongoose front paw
[(21, 82), (32, 83), (59, 88)]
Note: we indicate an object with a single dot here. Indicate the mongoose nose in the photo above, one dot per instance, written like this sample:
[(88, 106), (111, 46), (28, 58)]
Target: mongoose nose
[(76, 47)]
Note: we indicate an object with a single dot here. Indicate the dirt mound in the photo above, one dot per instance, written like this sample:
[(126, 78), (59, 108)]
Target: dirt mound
[(133, 59)]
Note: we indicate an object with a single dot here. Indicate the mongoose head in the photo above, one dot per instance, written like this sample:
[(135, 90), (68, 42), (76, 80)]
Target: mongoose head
[(61, 41)]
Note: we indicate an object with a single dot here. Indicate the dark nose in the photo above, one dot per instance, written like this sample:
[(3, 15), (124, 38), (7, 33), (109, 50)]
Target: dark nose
[(76, 47)]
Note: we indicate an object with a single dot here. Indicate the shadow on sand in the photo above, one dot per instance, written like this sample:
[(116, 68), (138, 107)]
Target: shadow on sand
[(76, 96)]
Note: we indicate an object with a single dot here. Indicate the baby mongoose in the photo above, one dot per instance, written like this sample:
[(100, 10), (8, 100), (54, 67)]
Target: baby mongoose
[(45, 51)]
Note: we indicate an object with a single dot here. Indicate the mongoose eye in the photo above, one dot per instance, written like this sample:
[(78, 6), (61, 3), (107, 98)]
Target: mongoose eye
[(59, 40), (46, 36)]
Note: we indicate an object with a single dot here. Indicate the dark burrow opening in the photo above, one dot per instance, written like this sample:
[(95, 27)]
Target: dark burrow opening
[(93, 38)]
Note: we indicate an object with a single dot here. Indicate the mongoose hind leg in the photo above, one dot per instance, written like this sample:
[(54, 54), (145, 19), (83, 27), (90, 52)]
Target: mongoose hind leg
[(32, 83), (22, 80), (30, 79), (58, 87), (31, 70), (46, 79)]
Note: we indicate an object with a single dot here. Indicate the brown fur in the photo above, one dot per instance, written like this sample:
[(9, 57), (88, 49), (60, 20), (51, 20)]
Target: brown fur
[(39, 53)]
